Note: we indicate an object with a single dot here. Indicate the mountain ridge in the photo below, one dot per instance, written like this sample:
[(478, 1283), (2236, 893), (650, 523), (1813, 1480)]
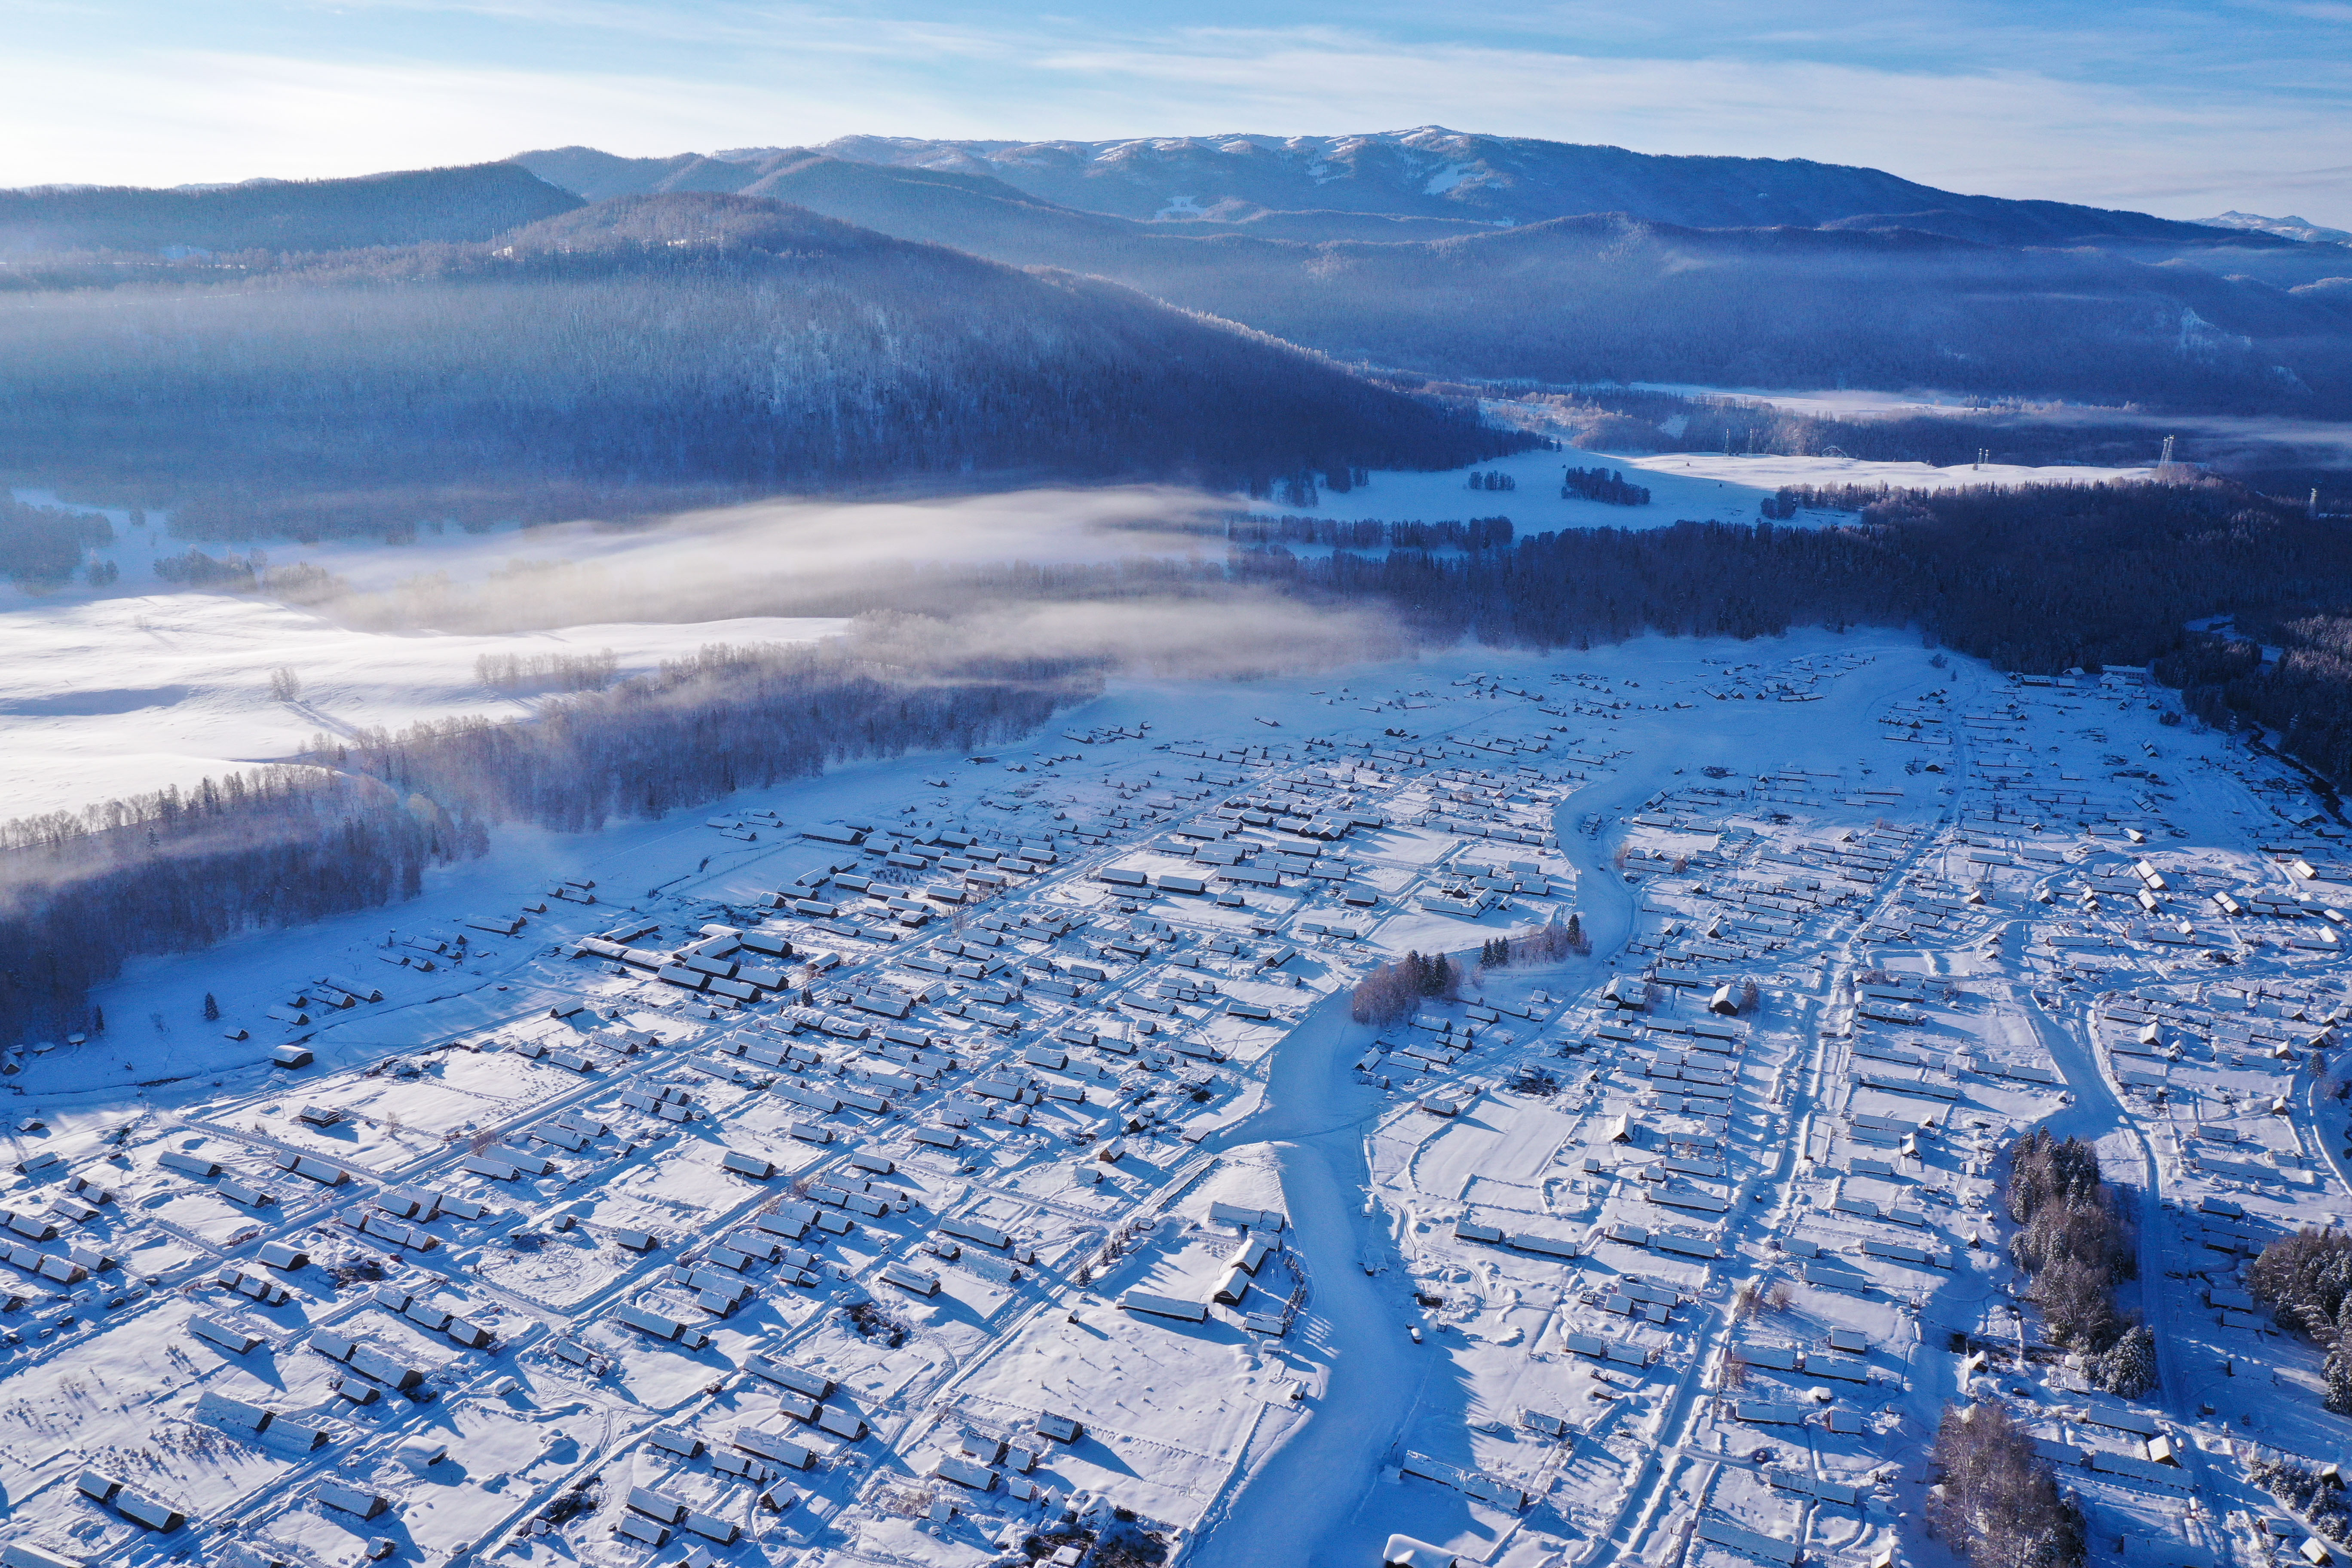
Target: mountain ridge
[(452, 205), (1434, 172)]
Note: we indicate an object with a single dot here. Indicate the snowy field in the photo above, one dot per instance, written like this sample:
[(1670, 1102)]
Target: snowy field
[(1835, 403), (141, 683), (115, 696), (1694, 485), (901, 1166)]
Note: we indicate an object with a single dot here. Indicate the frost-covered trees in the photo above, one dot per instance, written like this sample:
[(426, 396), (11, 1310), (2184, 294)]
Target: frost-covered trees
[(548, 671), (2127, 1367), (2306, 1279), (1383, 996), (1548, 943), (1393, 991), (2301, 1488), (1996, 1500), (44, 544), (2072, 1240), (180, 869)]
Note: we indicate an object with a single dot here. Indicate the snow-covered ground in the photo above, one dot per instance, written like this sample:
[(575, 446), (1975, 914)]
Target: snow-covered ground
[(104, 697), (1835, 402), (1694, 485), (1764, 471), (140, 683), (1529, 1275)]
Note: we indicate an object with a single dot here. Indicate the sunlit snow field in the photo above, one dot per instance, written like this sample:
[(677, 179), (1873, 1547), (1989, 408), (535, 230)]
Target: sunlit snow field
[(1683, 485)]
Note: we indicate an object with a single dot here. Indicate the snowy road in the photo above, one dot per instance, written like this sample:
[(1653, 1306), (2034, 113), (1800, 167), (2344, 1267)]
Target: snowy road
[(2098, 1117), (1308, 1501), (1317, 1114)]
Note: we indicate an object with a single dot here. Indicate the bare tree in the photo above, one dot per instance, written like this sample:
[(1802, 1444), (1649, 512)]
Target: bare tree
[(1996, 1500)]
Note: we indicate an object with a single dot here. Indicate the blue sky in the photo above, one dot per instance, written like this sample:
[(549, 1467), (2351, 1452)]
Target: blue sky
[(2178, 110)]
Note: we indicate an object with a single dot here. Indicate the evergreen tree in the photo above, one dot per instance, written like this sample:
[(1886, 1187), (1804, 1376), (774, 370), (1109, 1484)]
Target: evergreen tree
[(2339, 1397), (211, 1009), (2129, 1366), (1435, 974)]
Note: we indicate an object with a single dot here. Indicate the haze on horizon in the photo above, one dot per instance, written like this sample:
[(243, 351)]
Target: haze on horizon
[(2178, 111)]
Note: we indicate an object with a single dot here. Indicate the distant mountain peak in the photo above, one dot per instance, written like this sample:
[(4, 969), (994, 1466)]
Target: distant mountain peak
[(2287, 228)]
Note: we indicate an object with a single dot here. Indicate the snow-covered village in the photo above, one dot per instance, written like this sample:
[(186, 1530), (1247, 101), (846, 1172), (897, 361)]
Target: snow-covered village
[(875, 784), (1555, 1113)]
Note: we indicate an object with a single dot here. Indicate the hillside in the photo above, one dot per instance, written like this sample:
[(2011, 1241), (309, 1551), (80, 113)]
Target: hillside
[(661, 346), (414, 206), (1611, 297)]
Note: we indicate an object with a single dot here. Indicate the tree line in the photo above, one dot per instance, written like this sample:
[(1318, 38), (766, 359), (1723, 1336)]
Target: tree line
[(2039, 579), (1366, 533), (1643, 420), (548, 671), (44, 545), (2304, 696), (727, 718), (174, 870), (1603, 485)]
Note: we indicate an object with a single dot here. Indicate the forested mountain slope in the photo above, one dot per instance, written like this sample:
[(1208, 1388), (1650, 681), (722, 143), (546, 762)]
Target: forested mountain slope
[(1612, 297), (727, 343)]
